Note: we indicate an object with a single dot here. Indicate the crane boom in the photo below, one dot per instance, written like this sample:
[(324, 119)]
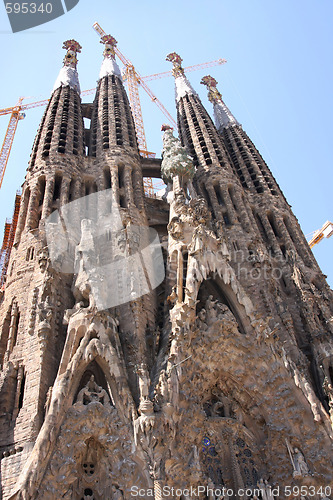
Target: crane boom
[(325, 232), (195, 67), (15, 116)]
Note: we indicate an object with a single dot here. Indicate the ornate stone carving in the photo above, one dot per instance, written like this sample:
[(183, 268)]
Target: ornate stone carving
[(175, 228), (43, 259), (93, 393)]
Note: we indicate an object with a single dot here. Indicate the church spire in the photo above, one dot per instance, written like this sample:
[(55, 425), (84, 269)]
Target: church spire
[(112, 121), (109, 65), (68, 75), (183, 86), (222, 114)]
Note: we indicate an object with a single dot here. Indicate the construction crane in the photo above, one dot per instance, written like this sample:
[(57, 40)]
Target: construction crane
[(325, 232), (15, 116)]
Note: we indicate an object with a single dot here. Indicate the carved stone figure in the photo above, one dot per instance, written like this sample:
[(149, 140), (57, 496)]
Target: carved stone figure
[(175, 228), (327, 386), (93, 393), (300, 465), (43, 259)]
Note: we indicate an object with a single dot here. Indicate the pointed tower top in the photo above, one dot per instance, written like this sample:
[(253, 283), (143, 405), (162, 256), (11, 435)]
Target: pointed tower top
[(68, 74), (72, 47), (183, 86), (223, 116), (109, 65)]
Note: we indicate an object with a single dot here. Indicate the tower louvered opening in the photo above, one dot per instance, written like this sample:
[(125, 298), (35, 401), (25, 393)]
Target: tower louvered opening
[(51, 121)]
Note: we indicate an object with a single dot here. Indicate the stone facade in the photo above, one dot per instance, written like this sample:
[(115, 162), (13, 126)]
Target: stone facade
[(221, 376)]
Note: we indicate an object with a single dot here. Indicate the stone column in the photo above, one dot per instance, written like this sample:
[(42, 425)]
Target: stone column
[(158, 488), (33, 207), (180, 276), (137, 181), (270, 234), (48, 198), (115, 183), (213, 199), (23, 214), (64, 193), (285, 235), (128, 185), (245, 220), (12, 331), (228, 203), (77, 193)]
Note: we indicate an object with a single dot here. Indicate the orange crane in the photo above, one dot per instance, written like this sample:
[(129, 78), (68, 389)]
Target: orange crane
[(15, 116), (325, 232), (8, 240)]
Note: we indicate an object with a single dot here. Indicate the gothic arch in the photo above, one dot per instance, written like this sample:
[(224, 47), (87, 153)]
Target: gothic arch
[(101, 371), (93, 369), (222, 292)]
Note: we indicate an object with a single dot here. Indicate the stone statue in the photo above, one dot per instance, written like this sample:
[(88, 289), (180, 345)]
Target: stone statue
[(93, 393), (265, 490), (329, 391), (143, 381), (300, 466)]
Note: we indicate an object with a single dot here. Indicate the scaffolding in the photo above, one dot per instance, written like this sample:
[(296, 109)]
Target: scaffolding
[(8, 240)]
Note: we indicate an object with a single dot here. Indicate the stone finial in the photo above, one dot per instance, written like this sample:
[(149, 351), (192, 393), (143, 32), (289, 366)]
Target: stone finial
[(109, 65), (68, 74), (213, 94), (177, 63), (222, 114), (183, 86), (110, 44), (165, 127), (72, 47), (175, 158)]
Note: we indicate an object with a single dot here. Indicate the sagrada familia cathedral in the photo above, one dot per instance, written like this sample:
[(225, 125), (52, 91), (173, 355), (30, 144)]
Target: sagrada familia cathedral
[(215, 381)]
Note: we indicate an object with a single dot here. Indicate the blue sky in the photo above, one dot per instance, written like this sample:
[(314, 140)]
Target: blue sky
[(277, 81)]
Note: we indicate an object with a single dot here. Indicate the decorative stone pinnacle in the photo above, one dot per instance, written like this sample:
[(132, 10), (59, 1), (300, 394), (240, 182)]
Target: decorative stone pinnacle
[(175, 158), (110, 44), (176, 60), (213, 94), (165, 127), (72, 47)]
